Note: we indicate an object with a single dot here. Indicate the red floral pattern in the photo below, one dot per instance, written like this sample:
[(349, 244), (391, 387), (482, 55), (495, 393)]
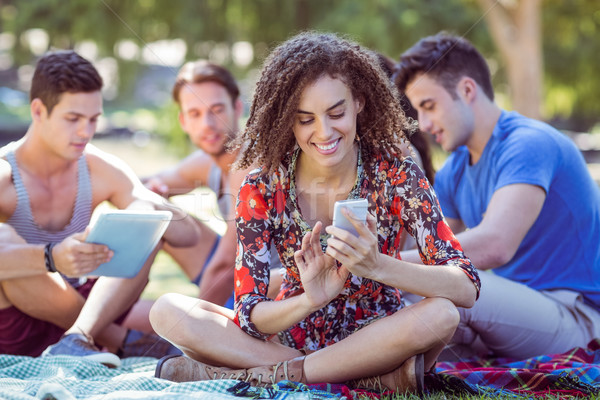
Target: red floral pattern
[(400, 197), (253, 205)]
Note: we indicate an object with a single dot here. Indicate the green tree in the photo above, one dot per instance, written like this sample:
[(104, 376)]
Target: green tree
[(556, 75), (515, 27), (571, 31)]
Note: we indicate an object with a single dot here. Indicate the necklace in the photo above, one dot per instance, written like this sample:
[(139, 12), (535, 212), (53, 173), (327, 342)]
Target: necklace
[(296, 215)]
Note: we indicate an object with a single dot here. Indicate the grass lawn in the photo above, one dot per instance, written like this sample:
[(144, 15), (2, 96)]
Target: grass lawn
[(167, 277)]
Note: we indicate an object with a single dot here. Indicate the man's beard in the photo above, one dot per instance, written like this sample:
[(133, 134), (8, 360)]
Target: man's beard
[(226, 146)]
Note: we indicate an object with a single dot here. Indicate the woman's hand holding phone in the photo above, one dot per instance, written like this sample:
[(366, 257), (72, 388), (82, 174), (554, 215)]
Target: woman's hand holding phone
[(359, 209), (356, 248)]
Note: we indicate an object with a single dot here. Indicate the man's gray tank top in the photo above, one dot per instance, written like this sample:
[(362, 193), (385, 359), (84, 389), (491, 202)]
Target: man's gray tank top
[(214, 184), (22, 219)]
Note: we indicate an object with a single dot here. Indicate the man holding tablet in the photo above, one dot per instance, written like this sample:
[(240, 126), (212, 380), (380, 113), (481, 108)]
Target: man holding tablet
[(51, 180)]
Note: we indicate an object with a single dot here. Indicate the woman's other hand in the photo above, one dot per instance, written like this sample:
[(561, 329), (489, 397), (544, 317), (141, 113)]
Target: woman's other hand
[(321, 279)]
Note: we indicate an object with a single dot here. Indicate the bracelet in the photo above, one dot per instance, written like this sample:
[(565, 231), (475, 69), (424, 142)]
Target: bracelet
[(48, 257)]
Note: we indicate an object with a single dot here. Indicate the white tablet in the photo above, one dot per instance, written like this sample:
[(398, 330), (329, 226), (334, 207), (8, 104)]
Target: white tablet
[(131, 235)]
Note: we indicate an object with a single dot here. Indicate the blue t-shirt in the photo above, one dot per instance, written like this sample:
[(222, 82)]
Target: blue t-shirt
[(562, 248)]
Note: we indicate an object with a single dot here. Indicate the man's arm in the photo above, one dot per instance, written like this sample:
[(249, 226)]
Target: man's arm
[(456, 225), (117, 183), (18, 259), (8, 200), (218, 276), (182, 178), (512, 211)]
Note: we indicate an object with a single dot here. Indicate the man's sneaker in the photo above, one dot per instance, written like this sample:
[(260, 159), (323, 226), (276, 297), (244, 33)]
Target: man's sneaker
[(140, 344), (77, 344)]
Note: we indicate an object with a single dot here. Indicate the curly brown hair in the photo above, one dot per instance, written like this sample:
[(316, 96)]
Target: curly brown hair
[(297, 63), (417, 137)]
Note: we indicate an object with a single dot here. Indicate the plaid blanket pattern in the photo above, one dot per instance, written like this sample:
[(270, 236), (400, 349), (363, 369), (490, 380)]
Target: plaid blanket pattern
[(575, 373), (570, 374), (69, 378)]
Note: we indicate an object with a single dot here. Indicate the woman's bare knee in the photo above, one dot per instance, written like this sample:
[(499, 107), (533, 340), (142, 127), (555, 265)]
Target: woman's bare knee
[(434, 321), (163, 311), (443, 314), (172, 314)]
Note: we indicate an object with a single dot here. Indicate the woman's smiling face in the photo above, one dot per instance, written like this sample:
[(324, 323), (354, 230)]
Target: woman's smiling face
[(325, 123)]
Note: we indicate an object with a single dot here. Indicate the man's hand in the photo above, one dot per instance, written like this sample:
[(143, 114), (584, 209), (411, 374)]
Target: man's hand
[(74, 257), (156, 185)]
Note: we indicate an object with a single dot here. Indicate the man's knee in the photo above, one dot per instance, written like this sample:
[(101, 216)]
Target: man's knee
[(4, 301), (8, 234)]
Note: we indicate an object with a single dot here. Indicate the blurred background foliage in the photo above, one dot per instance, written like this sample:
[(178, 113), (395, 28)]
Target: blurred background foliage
[(138, 46)]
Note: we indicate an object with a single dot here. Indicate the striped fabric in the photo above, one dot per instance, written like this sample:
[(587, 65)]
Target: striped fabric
[(22, 219), (214, 184)]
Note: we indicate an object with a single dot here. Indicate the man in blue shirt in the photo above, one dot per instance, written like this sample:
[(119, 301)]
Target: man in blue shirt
[(521, 200)]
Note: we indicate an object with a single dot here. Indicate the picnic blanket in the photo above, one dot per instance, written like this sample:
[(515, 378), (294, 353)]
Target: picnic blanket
[(570, 374), (69, 378)]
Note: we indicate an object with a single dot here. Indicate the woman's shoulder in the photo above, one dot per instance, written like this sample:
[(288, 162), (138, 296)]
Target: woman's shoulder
[(262, 177), (393, 165)]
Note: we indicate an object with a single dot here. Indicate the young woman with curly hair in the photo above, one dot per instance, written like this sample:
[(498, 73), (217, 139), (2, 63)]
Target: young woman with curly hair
[(325, 125)]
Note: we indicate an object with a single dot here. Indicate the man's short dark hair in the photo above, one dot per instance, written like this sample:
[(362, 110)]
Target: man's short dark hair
[(61, 72), (445, 58), (203, 71)]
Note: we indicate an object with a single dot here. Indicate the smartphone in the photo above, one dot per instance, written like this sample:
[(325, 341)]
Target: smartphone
[(359, 208)]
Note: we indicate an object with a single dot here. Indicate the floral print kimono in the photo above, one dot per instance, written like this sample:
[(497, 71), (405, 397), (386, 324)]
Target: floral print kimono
[(399, 196)]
